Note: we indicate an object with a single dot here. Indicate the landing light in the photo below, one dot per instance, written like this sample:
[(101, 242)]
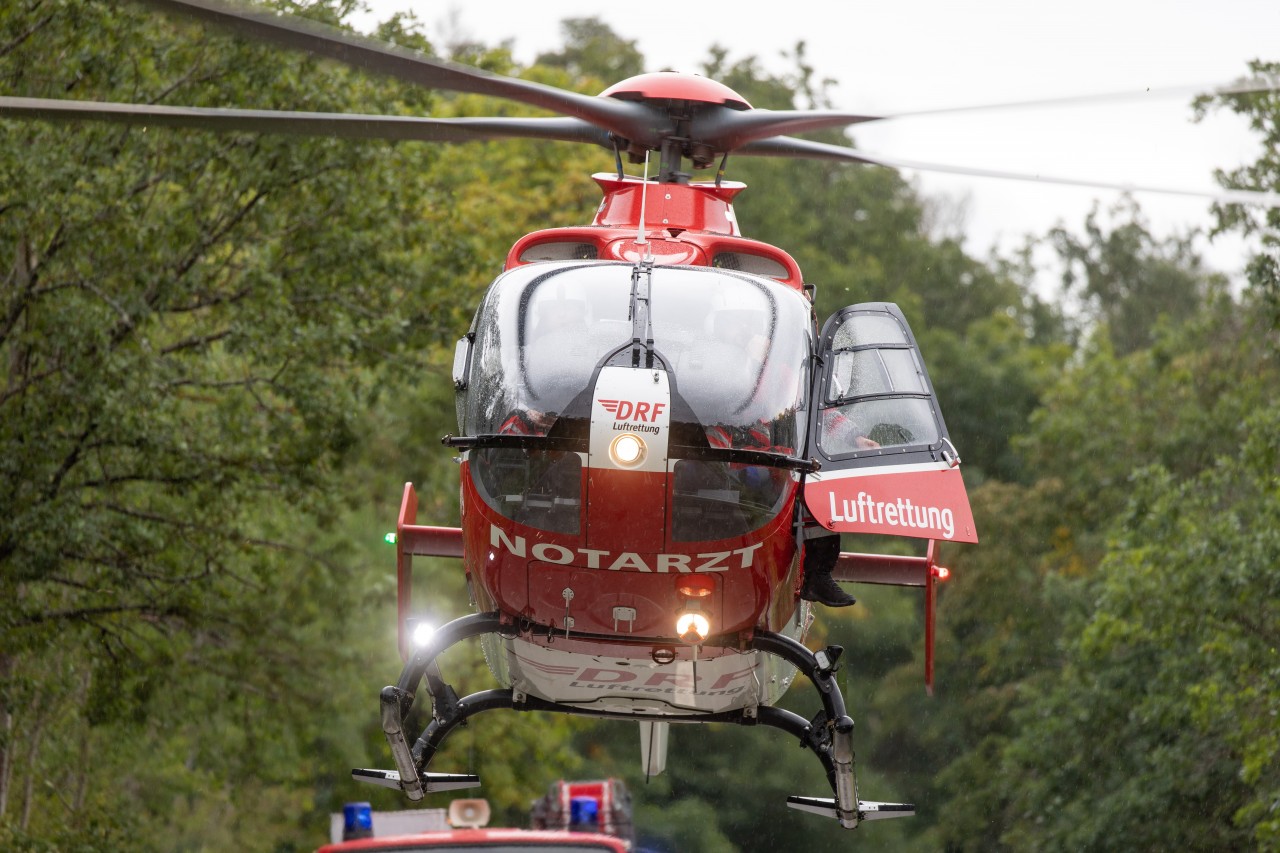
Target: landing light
[(692, 627), (627, 450), (422, 633)]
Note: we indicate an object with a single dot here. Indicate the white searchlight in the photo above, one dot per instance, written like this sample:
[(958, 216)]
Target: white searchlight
[(627, 450)]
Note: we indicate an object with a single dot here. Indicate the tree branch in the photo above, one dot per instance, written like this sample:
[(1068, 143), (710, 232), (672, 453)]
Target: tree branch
[(192, 343), (21, 37), (88, 614)]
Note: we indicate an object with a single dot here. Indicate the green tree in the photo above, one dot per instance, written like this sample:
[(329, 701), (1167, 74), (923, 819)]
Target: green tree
[(592, 49), (1179, 403), (193, 325), (185, 314), (1161, 731), (1018, 598), (1016, 611), (1127, 281), (990, 379), (1261, 111)]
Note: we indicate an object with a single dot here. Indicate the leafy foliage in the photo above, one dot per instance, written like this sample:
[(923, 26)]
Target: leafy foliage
[(593, 50), (1184, 610), (1084, 721), (1128, 282), (223, 355), (193, 324)]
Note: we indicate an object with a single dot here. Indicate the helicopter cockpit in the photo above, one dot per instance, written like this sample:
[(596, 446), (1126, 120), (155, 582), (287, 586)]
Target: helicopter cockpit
[(735, 350)]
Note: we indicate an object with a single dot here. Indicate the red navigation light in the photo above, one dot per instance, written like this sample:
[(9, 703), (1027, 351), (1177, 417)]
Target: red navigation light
[(695, 586), (941, 573)]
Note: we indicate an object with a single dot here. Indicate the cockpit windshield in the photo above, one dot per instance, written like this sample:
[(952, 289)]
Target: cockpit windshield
[(736, 346)]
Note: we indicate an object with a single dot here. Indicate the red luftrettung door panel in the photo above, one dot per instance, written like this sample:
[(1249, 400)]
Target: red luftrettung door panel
[(924, 501), (888, 466)]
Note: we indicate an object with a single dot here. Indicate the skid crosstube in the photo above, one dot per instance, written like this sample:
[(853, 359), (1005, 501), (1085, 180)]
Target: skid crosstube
[(828, 735)]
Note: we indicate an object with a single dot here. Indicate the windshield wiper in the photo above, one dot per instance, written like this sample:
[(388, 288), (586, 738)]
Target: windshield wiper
[(641, 313)]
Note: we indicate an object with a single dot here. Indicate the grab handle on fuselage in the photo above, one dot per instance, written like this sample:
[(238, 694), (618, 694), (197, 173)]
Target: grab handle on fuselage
[(416, 540), (896, 570)]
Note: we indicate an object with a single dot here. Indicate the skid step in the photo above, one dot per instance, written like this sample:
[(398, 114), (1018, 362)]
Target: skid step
[(867, 809), (431, 782)]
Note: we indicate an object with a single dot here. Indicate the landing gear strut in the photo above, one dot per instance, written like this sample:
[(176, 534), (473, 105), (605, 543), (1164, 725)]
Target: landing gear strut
[(829, 735)]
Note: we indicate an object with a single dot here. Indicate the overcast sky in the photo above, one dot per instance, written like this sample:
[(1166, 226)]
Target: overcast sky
[(924, 54)]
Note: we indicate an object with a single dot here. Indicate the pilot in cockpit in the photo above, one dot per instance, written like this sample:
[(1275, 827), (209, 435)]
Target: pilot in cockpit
[(556, 353), (559, 318), (745, 330)]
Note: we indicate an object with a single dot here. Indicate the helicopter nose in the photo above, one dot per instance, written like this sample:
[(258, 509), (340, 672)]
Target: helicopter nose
[(626, 486)]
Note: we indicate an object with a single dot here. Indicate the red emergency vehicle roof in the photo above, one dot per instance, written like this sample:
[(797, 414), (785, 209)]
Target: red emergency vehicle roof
[(482, 838)]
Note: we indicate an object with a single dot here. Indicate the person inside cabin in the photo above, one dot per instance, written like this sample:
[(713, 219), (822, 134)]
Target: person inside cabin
[(748, 331), (842, 434), (839, 434), (527, 422), (554, 358), (542, 487), (746, 380)]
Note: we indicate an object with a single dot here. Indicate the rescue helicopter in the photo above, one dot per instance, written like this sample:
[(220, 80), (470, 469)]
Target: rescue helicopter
[(659, 444)]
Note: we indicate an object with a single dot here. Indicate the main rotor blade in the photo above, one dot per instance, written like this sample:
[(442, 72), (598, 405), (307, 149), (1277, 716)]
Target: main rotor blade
[(344, 125), (629, 120), (1237, 87), (787, 146), (790, 147), (728, 130)]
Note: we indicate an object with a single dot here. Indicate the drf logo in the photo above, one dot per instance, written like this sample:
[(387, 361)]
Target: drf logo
[(626, 410)]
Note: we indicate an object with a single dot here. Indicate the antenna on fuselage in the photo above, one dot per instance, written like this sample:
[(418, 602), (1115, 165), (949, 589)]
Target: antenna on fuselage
[(720, 171), (641, 282), (642, 238), (617, 159)]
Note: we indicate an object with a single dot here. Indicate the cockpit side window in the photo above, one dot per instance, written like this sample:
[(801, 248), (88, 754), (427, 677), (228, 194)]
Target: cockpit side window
[(877, 394), (540, 489)]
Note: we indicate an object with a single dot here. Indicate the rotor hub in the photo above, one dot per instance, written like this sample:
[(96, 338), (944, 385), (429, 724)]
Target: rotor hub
[(675, 86)]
